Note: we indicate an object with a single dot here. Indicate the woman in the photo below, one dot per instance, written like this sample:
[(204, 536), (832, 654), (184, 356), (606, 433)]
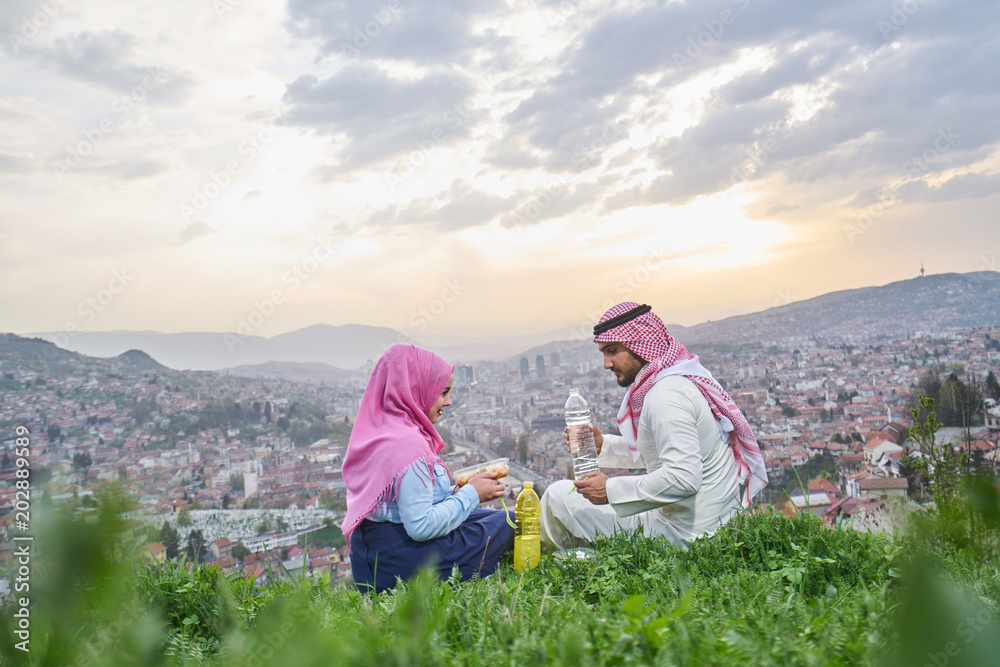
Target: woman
[(402, 512)]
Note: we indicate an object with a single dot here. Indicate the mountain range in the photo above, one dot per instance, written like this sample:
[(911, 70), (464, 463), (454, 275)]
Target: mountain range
[(926, 304)]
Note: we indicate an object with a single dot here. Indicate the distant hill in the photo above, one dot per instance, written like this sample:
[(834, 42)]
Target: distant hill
[(348, 346), (933, 303), (139, 361), (929, 304), (32, 349)]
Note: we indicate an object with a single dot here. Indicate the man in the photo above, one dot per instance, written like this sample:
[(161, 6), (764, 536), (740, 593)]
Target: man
[(694, 442)]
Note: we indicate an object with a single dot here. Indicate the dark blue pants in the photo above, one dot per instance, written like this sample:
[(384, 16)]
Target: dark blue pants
[(381, 551)]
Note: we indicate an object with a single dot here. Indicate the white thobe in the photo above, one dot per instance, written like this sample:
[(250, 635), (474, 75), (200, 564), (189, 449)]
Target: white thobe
[(690, 487)]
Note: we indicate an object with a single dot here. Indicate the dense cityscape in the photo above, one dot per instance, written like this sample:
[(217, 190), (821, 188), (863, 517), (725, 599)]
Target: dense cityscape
[(244, 471)]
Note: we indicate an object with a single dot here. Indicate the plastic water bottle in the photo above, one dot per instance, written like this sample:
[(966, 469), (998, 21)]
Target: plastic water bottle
[(581, 438), (527, 534)]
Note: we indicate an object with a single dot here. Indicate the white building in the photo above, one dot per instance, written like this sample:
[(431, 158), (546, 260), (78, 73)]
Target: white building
[(992, 414)]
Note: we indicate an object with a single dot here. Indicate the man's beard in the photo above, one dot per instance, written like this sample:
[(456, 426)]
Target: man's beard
[(626, 379), (628, 375)]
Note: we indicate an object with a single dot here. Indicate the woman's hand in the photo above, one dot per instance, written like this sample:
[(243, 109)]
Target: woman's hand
[(487, 486), (598, 438)]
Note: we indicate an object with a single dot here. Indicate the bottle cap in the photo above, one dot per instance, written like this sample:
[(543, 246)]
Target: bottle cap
[(529, 485)]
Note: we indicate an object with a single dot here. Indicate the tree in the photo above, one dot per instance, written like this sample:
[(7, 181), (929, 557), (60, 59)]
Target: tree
[(267, 411), (283, 423), (41, 476), (196, 546), (992, 387), (522, 449), (507, 446), (240, 550), (171, 539), (937, 464), (82, 461), (328, 501), (928, 385), (184, 516), (959, 404), (226, 500), (236, 481)]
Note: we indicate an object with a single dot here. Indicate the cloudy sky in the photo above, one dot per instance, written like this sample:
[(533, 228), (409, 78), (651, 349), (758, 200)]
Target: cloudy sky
[(182, 165)]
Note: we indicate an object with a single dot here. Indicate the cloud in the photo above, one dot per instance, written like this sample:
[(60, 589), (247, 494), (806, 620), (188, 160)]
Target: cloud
[(874, 104), (379, 116), (18, 165), (103, 58), (965, 186), (193, 231), (403, 30), (459, 207)]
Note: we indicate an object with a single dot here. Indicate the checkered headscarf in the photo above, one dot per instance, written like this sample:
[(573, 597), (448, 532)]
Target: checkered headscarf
[(647, 337)]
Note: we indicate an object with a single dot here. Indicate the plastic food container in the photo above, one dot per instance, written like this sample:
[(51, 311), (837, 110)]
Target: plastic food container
[(500, 466)]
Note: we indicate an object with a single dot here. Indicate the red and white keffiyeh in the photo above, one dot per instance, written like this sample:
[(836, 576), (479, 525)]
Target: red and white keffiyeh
[(647, 337)]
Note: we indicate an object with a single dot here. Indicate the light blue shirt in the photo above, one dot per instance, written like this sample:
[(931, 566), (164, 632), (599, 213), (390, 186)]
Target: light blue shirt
[(428, 509)]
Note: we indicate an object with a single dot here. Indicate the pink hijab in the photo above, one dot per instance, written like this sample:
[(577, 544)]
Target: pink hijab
[(392, 430)]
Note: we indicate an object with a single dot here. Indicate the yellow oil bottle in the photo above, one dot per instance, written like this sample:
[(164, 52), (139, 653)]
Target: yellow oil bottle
[(527, 534)]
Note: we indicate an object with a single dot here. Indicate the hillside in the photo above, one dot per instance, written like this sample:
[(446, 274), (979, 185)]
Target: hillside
[(929, 304), (765, 590), (349, 346), (934, 303), (138, 360), (295, 371)]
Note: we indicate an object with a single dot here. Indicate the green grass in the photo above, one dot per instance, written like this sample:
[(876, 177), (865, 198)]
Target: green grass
[(766, 590)]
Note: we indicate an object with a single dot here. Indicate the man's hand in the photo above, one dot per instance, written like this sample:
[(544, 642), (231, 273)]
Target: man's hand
[(487, 486), (598, 438), (594, 487)]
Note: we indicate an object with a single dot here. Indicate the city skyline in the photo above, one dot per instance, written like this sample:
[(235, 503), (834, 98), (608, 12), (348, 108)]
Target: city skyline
[(472, 169)]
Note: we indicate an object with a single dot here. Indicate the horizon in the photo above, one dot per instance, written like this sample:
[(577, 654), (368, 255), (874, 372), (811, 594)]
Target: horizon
[(475, 331), (444, 168)]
